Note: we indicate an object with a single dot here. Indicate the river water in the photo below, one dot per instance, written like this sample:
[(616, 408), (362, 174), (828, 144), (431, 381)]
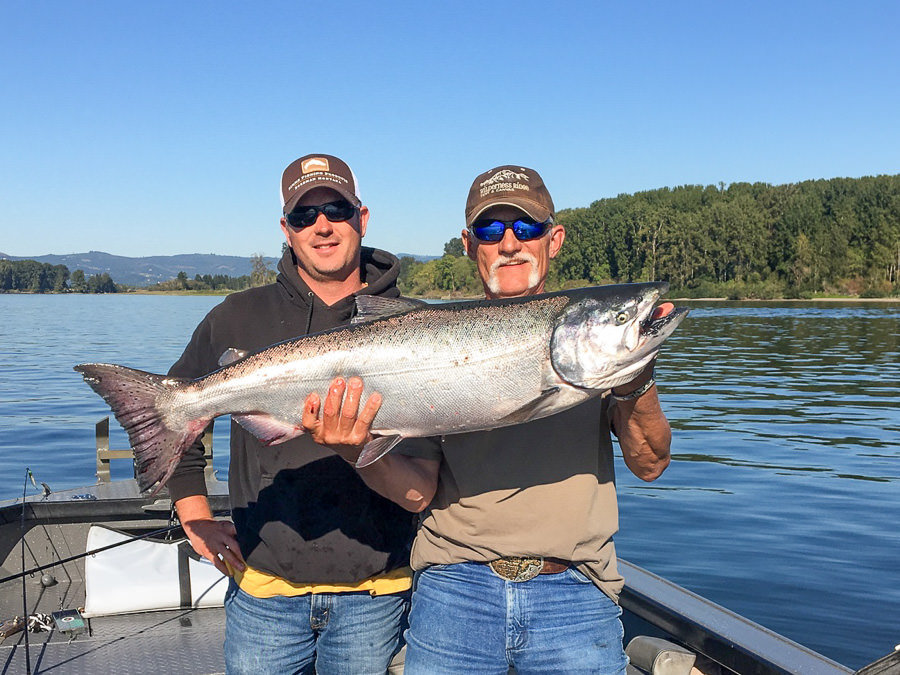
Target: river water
[(782, 501)]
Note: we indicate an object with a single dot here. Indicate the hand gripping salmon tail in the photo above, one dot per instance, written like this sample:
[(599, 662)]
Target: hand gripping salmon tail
[(133, 395)]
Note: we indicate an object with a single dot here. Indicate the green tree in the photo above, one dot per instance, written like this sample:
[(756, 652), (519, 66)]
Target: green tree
[(79, 283), (455, 247), (408, 268), (59, 278), (101, 283), (7, 275), (443, 276), (261, 274)]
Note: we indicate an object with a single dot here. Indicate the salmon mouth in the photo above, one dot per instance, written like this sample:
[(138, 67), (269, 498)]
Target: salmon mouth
[(663, 320)]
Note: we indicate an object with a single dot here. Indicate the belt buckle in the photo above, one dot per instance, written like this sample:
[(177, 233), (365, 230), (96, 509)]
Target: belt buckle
[(517, 569)]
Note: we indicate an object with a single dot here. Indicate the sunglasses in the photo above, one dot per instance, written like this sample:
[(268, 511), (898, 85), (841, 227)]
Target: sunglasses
[(304, 216), (525, 229)]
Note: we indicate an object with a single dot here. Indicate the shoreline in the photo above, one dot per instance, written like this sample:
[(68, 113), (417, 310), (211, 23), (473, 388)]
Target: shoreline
[(456, 298), (849, 298)]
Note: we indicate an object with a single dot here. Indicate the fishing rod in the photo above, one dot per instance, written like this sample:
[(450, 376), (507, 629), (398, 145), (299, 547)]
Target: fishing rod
[(24, 573), (24, 598)]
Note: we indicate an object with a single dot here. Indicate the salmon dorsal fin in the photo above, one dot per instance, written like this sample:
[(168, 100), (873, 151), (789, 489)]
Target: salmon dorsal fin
[(371, 307), (231, 355)]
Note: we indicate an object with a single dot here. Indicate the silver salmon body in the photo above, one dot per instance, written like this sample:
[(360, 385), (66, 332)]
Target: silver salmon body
[(441, 369)]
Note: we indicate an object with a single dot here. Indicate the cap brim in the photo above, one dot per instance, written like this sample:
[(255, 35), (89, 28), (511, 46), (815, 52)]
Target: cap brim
[(536, 211), (346, 194)]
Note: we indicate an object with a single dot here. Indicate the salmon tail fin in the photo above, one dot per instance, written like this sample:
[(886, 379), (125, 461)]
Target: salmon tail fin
[(133, 396)]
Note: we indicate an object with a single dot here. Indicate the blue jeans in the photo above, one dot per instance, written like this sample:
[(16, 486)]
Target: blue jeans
[(324, 633), (466, 619)]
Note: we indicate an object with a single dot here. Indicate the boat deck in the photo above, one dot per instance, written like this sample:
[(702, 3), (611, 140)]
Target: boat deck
[(48, 537), (176, 641), (179, 642)]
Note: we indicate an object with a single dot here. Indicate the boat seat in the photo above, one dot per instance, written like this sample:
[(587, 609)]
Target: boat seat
[(655, 656), (172, 575)]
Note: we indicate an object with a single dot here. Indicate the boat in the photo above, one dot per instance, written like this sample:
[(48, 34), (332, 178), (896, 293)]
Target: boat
[(100, 579)]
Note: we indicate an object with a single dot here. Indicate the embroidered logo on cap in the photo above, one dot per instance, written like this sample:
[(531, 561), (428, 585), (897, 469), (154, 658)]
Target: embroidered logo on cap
[(504, 180), (314, 164), (506, 176)]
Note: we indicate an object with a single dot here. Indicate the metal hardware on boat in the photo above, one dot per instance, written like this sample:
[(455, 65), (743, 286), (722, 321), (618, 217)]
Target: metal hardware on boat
[(159, 506), (69, 621), (11, 627), (105, 453)]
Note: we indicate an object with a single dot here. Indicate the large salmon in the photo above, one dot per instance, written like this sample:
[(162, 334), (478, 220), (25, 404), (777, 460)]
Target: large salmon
[(440, 368)]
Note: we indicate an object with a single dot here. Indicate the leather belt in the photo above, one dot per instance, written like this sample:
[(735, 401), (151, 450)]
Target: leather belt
[(523, 569)]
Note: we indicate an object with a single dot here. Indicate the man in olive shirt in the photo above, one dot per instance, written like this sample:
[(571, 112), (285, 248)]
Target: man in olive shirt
[(514, 555)]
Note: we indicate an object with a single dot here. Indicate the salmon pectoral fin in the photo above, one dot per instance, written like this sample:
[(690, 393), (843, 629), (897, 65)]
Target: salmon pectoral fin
[(376, 449), (268, 429)]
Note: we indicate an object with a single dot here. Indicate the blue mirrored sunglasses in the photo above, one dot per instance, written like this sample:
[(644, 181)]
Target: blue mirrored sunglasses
[(525, 229)]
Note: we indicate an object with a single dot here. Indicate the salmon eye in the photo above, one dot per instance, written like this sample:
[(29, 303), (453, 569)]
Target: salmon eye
[(621, 318)]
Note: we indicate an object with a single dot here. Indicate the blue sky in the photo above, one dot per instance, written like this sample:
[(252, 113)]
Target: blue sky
[(163, 127)]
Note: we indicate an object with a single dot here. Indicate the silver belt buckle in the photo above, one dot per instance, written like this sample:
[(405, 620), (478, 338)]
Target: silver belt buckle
[(517, 569)]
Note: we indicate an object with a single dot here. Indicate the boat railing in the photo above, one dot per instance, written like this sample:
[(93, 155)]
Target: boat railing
[(719, 634), (105, 454)]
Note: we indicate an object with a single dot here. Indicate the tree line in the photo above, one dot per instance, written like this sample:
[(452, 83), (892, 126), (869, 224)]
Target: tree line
[(31, 276), (745, 240), (260, 274), (837, 236)]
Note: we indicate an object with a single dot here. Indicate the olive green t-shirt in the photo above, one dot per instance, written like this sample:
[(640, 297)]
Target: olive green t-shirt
[(545, 488)]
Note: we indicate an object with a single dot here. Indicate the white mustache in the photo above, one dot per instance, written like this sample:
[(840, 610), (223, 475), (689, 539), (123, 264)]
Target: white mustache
[(522, 257)]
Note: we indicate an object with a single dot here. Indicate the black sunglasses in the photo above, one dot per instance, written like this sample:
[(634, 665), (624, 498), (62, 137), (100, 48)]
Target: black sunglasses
[(525, 228), (304, 216)]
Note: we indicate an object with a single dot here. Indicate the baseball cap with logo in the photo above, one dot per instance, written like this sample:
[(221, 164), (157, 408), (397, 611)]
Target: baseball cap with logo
[(510, 186), (312, 171)]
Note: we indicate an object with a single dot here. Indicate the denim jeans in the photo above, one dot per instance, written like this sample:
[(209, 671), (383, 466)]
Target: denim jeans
[(325, 633), (466, 619)]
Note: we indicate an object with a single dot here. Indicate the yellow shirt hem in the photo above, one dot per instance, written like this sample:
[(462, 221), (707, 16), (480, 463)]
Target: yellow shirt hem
[(260, 584)]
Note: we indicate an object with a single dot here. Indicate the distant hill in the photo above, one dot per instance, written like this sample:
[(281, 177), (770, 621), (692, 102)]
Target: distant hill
[(149, 270)]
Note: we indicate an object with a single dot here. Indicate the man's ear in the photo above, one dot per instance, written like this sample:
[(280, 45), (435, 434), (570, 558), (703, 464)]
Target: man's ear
[(363, 220), (469, 244), (557, 237)]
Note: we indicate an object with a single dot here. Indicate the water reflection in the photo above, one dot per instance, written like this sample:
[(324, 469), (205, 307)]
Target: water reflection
[(785, 467), (794, 381)]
